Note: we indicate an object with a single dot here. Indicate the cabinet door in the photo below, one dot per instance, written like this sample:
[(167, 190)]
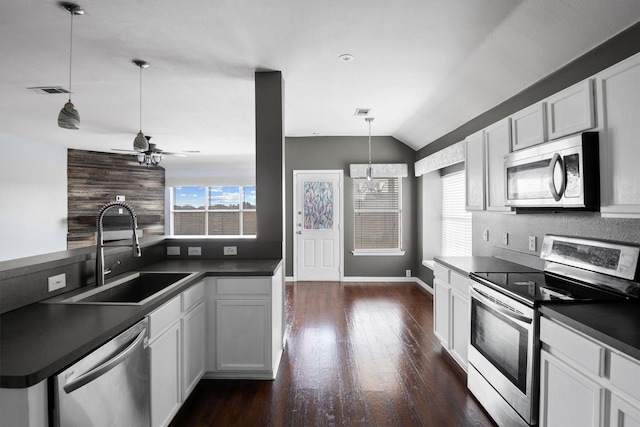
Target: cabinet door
[(528, 127), (459, 327), (474, 171), (193, 348), (497, 139), (567, 397), (242, 335), (619, 117), (441, 315), (165, 376), (623, 414), (571, 110)]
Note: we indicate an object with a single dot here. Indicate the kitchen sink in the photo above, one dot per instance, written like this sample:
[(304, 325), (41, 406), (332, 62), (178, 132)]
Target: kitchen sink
[(133, 289)]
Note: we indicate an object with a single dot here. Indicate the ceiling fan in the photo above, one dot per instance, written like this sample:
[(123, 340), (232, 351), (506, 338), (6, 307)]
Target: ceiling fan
[(148, 154)]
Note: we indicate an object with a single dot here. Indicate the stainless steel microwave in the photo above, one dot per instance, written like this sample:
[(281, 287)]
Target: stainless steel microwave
[(559, 174)]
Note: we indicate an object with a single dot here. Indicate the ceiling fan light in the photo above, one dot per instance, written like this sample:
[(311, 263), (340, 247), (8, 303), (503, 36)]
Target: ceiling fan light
[(69, 118), (140, 143)]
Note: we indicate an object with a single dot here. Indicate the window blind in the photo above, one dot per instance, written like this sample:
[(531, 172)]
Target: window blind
[(456, 221), (377, 214)]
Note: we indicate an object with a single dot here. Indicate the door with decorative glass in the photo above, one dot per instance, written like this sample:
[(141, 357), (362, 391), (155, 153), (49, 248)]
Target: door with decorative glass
[(317, 225)]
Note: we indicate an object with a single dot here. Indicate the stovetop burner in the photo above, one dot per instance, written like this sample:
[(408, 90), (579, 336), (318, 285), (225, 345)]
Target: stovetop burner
[(535, 288)]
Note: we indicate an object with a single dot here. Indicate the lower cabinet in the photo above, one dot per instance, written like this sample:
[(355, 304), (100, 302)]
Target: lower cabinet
[(451, 312), (583, 382), (177, 340), (245, 326)]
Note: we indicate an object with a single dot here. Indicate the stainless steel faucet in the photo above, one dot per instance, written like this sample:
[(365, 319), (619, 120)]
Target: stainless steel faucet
[(135, 244)]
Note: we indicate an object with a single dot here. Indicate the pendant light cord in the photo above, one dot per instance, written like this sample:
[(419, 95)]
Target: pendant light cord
[(369, 141), (140, 98), (70, 53)]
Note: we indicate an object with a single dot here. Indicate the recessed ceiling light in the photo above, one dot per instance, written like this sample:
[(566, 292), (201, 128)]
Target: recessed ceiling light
[(346, 57)]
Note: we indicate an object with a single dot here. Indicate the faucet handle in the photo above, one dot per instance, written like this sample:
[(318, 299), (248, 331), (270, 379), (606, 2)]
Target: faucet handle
[(108, 270)]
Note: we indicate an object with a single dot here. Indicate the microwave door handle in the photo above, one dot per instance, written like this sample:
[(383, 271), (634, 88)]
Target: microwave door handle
[(556, 159)]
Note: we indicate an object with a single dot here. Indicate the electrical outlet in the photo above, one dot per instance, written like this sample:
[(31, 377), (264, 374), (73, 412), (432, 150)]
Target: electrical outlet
[(485, 234), (408, 273), (505, 238), (532, 243), (195, 251), (57, 282), (231, 250), (173, 250)]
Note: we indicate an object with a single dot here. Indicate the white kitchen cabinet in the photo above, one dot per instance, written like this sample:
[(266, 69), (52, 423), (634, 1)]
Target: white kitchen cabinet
[(177, 342), (451, 312), (497, 140), (618, 89), (25, 407), (571, 110), (623, 414), (164, 341), (245, 326), (193, 338), (567, 397), (529, 126), (474, 165), (583, 382)]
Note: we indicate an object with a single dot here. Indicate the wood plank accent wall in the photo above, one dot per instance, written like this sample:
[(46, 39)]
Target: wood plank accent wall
[(95, 178)]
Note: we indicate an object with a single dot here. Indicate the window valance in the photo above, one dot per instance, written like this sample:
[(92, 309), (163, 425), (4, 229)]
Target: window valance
[(380, 170), (446, 157)]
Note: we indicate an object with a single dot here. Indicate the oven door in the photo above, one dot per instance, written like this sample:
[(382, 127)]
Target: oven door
[(502, 347)]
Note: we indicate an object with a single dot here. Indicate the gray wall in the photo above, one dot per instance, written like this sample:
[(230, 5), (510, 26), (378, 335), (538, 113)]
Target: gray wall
[(323, 153)]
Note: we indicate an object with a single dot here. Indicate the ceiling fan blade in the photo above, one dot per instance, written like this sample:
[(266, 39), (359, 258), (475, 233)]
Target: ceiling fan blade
[(167, 153), (126, 151)]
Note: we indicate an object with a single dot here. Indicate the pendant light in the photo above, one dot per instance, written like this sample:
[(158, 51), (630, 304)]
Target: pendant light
[(69, 118), (140, 143)]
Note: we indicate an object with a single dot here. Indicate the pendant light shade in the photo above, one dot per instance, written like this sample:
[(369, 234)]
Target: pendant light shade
[(69, 118), (140, 143)]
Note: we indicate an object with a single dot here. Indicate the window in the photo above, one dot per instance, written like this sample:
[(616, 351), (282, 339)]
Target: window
[(456, 221), (377, 216), (213, 211)]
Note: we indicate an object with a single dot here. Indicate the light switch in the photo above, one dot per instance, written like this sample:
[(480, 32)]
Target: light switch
[(195, 251), (173, 250)]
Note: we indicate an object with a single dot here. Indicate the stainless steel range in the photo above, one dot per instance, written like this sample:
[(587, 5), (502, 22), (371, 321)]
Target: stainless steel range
[(504, 339)]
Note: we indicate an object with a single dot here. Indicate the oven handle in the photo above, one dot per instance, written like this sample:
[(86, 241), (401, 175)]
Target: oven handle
[(486, 299)]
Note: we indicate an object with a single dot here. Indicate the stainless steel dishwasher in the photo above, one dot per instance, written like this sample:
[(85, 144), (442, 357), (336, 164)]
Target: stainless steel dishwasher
[(109, 387)]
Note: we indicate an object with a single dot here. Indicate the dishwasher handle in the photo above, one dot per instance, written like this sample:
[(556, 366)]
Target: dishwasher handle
[(103, 368)]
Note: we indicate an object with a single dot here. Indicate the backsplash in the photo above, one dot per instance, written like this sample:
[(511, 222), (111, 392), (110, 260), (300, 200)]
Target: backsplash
[(520, 226)]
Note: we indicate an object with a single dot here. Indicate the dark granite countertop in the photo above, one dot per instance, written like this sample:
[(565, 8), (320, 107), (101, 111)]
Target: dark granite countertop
[(616, 324), (484, 264), (39, 340)]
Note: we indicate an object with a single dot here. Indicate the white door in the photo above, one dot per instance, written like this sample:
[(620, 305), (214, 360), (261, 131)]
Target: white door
[(317, 224)]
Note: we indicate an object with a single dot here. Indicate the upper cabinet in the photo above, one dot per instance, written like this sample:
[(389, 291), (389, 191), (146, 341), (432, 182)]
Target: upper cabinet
[(474, 171), (529, 127), (571, 110), (497, 139), (619, 119)]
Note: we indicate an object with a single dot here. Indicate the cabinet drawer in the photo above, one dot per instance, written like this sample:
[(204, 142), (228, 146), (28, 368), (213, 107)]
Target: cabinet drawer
[(625, 375), (192, 296), (460, 283), (244, 286), (580, 350), (163, 317), (441, 273)]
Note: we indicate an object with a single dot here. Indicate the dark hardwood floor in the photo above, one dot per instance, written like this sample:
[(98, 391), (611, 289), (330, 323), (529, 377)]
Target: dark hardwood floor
[(357, 354)]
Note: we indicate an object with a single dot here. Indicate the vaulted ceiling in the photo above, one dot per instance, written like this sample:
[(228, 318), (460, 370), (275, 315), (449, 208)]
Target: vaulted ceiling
[(424, 67)]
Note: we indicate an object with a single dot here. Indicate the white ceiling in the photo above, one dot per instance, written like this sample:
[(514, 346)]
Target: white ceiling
[(424, 67)]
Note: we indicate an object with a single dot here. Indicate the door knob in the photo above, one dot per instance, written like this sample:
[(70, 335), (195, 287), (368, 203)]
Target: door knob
[(299, 232)]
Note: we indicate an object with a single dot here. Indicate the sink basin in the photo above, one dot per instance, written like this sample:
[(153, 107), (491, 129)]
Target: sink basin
[(135, 289)]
